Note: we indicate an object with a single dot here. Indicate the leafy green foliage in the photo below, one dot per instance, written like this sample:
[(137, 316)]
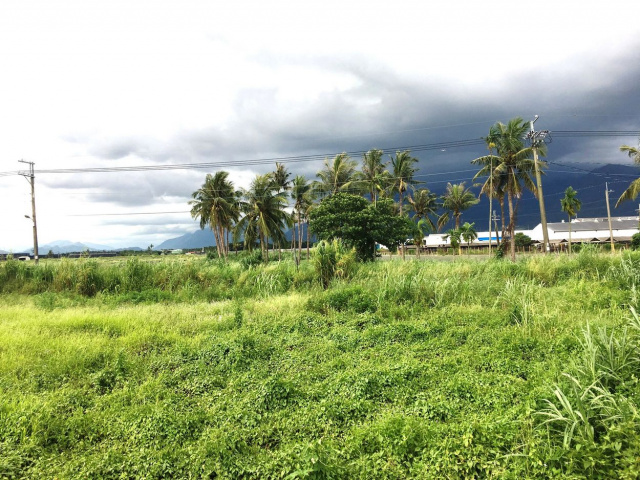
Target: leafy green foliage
[(333, 260), (359, 224), (522, 240)]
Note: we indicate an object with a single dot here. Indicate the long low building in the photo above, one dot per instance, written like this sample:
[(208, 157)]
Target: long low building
[(583, 230)]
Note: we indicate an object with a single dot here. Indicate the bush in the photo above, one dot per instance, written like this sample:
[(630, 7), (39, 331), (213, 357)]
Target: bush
[(252, 259), (333, 260), (348, 298), (635, 241)]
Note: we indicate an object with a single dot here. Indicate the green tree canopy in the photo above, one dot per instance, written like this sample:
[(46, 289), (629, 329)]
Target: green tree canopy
[(217, 204), (359, 224), (571, 206), (337, 175), (511, 168), (456, 199)]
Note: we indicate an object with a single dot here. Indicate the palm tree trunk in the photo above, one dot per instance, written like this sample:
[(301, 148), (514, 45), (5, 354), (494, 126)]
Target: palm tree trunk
[(224, 242), (308, 239), (299, 236), (569, 234), (401, 202), (216, 234)]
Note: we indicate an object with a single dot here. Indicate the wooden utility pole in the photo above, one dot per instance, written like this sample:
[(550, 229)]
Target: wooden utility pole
[(490, 199), (606, 191), (31, 178), (535, 140)]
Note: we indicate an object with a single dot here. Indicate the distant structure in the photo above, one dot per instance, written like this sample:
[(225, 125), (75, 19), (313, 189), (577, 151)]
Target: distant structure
[(583, 230)]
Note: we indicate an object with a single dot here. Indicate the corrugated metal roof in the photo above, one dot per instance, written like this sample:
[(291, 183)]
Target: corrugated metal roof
[(623, 224)]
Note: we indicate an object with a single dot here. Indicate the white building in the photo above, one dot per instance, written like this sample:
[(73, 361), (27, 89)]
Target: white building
[(589, 230), (583, 230)]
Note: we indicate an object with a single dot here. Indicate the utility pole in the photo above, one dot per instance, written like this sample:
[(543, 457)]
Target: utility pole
[(495, 222), (491, 199), (536, 139), (606, 191), (31, 178)]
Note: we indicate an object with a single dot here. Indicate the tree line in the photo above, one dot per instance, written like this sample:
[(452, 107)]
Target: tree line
[(359, 205)]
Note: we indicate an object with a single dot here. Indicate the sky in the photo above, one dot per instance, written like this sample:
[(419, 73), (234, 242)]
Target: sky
[(90, 84)]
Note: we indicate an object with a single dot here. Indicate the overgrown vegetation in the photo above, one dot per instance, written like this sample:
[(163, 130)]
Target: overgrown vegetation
[(238, 369)]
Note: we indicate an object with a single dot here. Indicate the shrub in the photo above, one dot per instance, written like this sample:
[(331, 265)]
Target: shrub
[(333, 260), (348, 298)]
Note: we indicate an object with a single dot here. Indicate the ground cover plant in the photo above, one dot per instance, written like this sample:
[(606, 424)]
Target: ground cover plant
[(200, 368)]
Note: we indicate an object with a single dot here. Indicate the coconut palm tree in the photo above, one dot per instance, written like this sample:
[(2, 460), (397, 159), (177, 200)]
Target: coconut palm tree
[(402, 175), (402, 178), (216, 204), (512, 166), (456, 199), (302, 196), (265, 215), (337, 175), (493, 186), (280, 177), (468, 234), (424, 205), (571, 206), (454, 236), (634, 189), (374, 178)]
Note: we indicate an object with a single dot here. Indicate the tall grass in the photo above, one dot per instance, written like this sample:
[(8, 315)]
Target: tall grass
[(414, 369)]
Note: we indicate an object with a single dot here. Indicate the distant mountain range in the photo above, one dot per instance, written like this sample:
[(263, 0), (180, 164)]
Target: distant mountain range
[(65, 246), (201, 239), (197, 239)]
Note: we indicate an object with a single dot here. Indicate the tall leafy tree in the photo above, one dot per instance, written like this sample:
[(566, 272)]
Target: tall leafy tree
[(493, 186), (359, 223), (454, 235), (403, 172), (375, 177), (264, 214), (425, 206), (513, 166), (337, 175), (280, 177), (302, 196), (634, 188), (468, 234), (571, 206), (216, 203), (456, 200)]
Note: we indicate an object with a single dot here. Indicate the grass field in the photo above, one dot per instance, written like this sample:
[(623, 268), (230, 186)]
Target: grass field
[(206, 369)]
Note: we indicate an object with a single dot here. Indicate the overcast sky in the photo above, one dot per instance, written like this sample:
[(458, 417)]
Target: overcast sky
[(127, 83)]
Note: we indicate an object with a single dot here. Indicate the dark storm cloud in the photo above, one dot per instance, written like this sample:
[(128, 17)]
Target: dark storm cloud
[(385, 109)]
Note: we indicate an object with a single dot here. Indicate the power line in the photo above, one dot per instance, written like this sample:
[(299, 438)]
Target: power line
[(123, 214), (315, 157)]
